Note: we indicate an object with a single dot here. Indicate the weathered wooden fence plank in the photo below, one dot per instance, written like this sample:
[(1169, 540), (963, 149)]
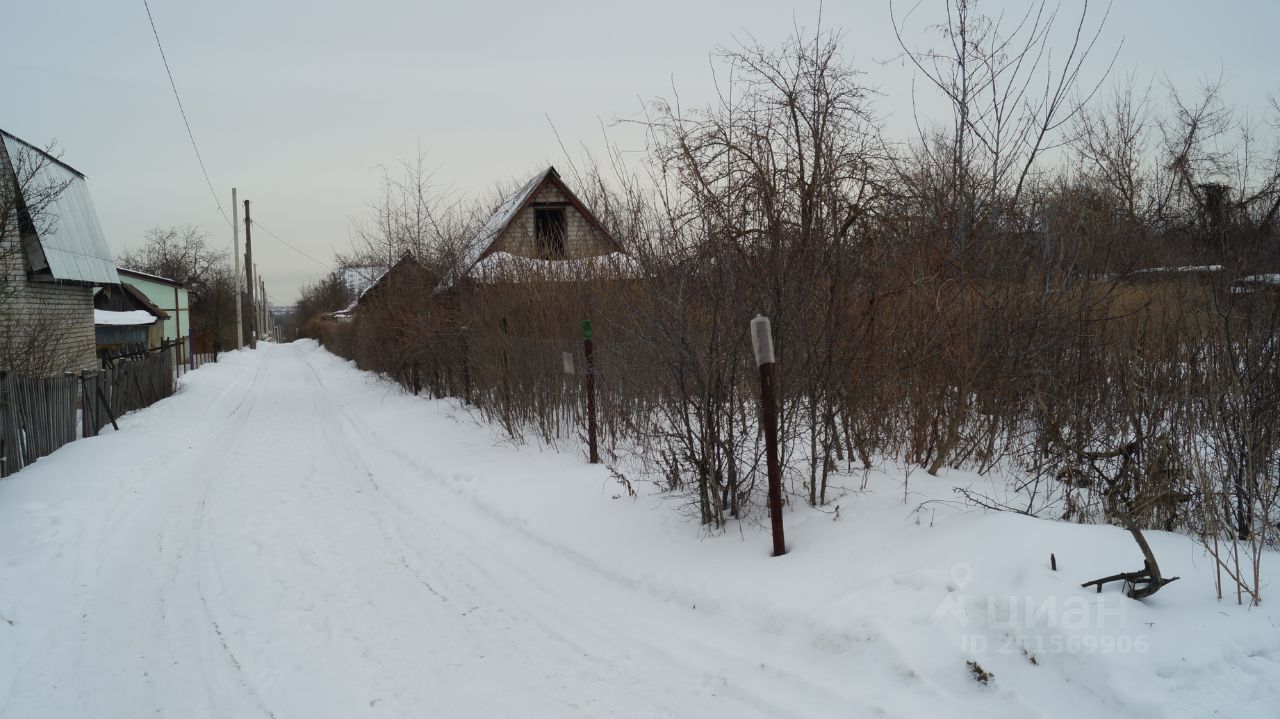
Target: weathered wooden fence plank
[(38, 415)]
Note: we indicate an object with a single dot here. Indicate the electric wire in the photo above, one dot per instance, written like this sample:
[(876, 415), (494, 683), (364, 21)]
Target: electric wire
[(195, 146), (183, 111), (263, 227)]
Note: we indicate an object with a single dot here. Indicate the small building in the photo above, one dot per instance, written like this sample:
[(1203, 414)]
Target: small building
[(542, 231), (171, 297), (126, 321), (52, 254), (405, 278)]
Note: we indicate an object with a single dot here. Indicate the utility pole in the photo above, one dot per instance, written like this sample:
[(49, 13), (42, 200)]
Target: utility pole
[(248, 271), (235, 253), (262, 303)]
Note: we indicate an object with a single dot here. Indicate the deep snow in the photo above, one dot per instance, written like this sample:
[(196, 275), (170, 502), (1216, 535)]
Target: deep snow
[(289, 537)]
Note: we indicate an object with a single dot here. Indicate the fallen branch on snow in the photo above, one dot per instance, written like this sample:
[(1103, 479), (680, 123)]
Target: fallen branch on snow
[(1149, 577)]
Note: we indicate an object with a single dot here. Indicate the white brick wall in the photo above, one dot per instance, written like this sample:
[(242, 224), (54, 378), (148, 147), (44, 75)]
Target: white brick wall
[(45, 327), (581, 238)]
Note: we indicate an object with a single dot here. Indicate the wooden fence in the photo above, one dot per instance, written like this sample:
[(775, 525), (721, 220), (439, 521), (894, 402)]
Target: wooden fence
[(124, 387), (194, 361), (37, 416)]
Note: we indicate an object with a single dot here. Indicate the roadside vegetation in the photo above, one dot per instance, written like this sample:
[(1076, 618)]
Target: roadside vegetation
[(1070, 279)]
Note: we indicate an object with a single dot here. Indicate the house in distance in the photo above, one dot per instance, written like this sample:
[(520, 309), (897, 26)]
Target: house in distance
[(543, 231)]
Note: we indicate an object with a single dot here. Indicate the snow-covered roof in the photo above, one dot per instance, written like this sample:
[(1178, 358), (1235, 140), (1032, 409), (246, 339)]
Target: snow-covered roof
[(404, 259), (69, 244), (1175, 270), (497, 222), (503, 216), (377, 281), (358, 279), (1261, 279), (506, 267), (482, 248), (129, 318)]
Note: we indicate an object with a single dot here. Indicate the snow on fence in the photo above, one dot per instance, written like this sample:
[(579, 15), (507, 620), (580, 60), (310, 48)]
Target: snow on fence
[(37, 416)]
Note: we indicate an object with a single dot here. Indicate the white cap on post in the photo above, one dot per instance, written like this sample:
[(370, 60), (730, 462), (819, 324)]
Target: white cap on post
[(762, 340)]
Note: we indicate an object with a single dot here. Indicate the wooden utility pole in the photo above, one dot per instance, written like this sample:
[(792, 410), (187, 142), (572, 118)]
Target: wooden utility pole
[(248, 271), (262, 303), (588, 349), (235, 253), (762, 344), (179, 359)]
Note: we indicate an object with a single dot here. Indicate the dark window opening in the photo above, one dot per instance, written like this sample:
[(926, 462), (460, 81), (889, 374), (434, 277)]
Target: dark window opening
[(549, 232)]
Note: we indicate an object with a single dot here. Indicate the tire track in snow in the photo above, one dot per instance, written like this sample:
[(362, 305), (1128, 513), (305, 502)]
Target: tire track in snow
[(126, 560), (183, 570), (591, 627), (230, 432), (338, 436)]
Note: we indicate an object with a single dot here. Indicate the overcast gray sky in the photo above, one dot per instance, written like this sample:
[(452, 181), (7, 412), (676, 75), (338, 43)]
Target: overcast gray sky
[(298, 103)]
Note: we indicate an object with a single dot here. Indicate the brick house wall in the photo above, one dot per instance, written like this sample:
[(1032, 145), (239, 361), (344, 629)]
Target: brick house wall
[(46, 328), (581, 237)]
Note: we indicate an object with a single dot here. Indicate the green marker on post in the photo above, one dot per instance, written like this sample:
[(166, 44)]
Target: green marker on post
[(586, 329)]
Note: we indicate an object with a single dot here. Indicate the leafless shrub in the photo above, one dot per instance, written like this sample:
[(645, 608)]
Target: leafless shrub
[(953, 302)]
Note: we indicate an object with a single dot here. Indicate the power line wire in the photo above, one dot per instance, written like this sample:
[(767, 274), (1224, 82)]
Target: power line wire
[(183, 111), (262, 227), (194, 146)]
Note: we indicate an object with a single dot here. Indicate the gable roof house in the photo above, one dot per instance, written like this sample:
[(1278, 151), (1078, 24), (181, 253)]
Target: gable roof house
[(535, 265), (542, 231), (52, 254)]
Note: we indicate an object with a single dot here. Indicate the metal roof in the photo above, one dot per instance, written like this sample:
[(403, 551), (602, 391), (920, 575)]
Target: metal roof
[(139, 274), (71, 243)]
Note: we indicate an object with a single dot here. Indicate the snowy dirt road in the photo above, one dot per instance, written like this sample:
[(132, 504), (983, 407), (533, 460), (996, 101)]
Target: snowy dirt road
[(261, 555), (288, 537)]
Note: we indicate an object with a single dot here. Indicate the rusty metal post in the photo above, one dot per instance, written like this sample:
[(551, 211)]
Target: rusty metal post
[(762, 344), (506, 369), (588, 349), (466, 369)]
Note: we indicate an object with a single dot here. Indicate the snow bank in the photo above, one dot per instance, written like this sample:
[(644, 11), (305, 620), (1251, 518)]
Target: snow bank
[(290, 537), (506, 267)]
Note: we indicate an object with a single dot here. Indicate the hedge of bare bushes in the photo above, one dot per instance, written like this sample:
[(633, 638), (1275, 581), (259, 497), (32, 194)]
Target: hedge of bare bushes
[(954, 301)]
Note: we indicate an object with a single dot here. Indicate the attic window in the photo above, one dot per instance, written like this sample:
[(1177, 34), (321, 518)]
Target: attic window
[(548, 223)]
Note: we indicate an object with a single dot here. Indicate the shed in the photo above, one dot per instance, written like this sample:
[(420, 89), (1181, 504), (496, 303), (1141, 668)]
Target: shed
[(126, 320), (171, 297)]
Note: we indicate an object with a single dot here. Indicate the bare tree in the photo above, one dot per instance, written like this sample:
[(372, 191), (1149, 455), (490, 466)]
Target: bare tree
[(1008, 101), (30, 338), (415, 216), (183, 254)]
